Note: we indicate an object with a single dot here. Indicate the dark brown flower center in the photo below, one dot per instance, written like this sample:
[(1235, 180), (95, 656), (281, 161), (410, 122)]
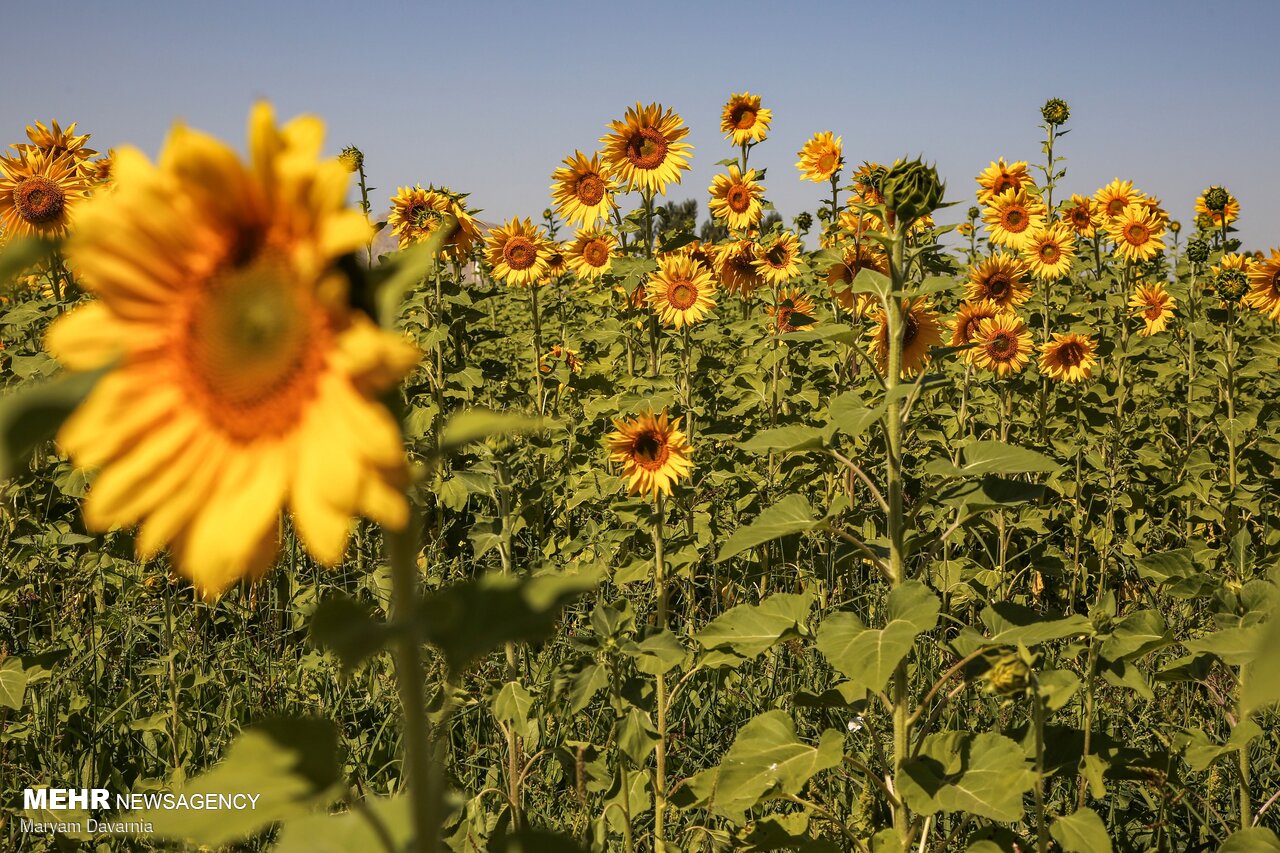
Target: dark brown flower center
[(1136, 233), (910, 328), (999, 286), (519, 253), (682, 294), (39, 200), (1070, 354), (647, 148), (650, 450), (596, 253), (1080, 218), (738, 198), (743, 117), (777, 256), (1049, 252), (1116, 206), (1002, 347), (589, 189), (1014, 219), (1002, 183)]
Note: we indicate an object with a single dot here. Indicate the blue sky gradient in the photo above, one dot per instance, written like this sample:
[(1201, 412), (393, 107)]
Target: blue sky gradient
[(488, 98)]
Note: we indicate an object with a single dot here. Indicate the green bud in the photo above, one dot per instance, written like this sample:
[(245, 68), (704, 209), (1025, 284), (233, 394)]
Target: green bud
[(1216, 198), (824, 214), (351, 157), (1008, 676), (1231, 285), (1231, 245), (974, 212), (912, 190), (1055, 111), (804, 220), (1197, 250)]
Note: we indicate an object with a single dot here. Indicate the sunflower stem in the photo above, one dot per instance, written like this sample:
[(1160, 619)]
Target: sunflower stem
[(537, 345), (660, 753)]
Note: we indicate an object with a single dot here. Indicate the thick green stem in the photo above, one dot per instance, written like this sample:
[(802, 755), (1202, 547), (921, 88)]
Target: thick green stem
[(660, 753)]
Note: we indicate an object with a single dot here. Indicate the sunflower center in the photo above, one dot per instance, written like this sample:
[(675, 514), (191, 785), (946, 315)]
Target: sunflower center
[(1136, 233), (590, 189), (1002, 347), (596, 253), (254, 344), (1071, 354), (682, 294), (1152, 313), (738, 198), (519, 253), (647, 148), (1115, 207), (910, 328), (650, 451), (777, 257), (971, 327), (1014, 219), (1002, 183), (743, 117), (39, 199), (1049, 252), (1080, 218), (998, 286), (827, 162)]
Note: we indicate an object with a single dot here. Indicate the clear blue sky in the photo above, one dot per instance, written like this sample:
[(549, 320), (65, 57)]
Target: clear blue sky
[(488, 97)]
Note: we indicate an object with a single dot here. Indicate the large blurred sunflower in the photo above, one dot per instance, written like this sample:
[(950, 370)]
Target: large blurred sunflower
[(653, 452), (243, 381), (1069, 358), (1264, 286), (921, 331), (735, 198), (779, 259), (1001, 176), (583, 190), (743, 120), (1001, 279), (1012, 217), (1154, 305), (591, 253), (1049, 252), (518, 253), (1136, 232), (737, 267), (820, 158), (1003, 344), (39, 194), (645, 150), (416, 214), (681, 292)]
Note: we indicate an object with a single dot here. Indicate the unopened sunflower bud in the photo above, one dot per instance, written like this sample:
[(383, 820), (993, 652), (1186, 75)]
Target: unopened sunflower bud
[(1216, 198), (824, 214), (1231, 285), (912, 190), (1055, 111), (352, 158), (974, 212), (1204, 221), (804, 220), (1008, 676), (1231, 245), (1197, 250)]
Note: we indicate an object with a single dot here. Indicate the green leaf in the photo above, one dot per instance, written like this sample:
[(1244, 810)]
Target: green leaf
[(13, 683), (391, 281), (790, 515), (291, 763), (1234, 646), (916, 604), (784, 439), (767, 759), (1081, 832), (350, 830), (748, 629), (1135, 635), (1262, 677), (478, 424), (658, 653), (994, 457), (868, 657), (1255, 839), (984, 775), (470, 619), (346, 627), (512, 706), (34, 413), (849, 415), (1013, 624), (534, 841)]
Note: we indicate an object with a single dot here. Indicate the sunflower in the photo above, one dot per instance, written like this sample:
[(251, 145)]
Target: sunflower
[(1069, 358), (857, 220), (416, 214), (1082, 215), (591, 253), (546, 364), (743, 121), (1012, 217), (1114, 198), (243, 382), (1264, 286), (1230, 212), (702, 254), (645, 148), (1001, 279), (1049, 252), (56, 142), (779, 260), (965, 325), (1232, 277), (518, 253), (653, 452), (1003, 344), (1154, 305), (854, 260), (681, 292), (735, 198), (39, 194), (737, 267), (1136, 232), (921, 331), (583, 190), (820, 158), (791, 307), (867, 181), (1001, 176), (98, 172)]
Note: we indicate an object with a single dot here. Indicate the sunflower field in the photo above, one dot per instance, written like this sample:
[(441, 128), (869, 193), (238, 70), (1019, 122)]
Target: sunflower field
[(598, 529)]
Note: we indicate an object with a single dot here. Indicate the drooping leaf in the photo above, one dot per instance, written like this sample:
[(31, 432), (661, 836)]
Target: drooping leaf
[(784, 439), (478, 424), (1081, 832), (355, 829), (984, 775), (989, 456), (749, 629), (790, 515)]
